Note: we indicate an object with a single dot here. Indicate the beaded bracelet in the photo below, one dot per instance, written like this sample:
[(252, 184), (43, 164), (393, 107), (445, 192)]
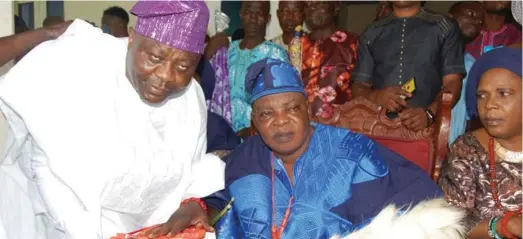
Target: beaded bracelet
[(198, 200), (492, 228), (504, 225)]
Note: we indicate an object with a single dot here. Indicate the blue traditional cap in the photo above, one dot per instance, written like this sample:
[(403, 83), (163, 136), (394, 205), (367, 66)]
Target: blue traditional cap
[(504, 57), (271, 76)]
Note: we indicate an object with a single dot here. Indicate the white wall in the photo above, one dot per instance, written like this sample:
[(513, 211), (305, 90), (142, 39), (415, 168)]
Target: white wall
[(6, 29)]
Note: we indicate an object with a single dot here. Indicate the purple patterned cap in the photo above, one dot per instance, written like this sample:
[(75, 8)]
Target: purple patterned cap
[(179, 24)]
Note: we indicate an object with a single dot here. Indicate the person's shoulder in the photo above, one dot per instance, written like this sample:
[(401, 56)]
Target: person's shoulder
[(82, 50), (273, 46), (511, 28), (389, 19), (82, 32), (339, 131), (375, 28), (342, 137), (233, 48), (217, 121), (331, 129), (247, 159), (352, 147), (465, 147), (80, 47), (445, 23), (273, 50), (277, 38), (249, 147), (432, 16), (235, 44)]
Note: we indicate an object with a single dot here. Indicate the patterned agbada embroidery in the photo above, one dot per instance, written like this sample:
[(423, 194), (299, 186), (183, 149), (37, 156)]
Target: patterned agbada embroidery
[(340, 183), (326, 70), (466, 183)]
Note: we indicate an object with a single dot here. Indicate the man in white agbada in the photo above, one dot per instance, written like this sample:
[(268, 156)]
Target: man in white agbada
[(106, 137)]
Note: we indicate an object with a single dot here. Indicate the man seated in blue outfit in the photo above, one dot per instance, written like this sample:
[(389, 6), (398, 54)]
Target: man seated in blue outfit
[(295, 180)]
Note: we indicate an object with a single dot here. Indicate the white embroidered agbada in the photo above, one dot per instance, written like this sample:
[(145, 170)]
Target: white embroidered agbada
[(86, 157)]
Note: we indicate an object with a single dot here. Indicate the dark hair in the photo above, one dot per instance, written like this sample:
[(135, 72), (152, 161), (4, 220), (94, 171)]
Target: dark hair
[(118, 12), (459, 3)]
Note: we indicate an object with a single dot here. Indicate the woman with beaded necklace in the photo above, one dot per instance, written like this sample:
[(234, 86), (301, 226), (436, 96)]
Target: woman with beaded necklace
[(483, 172)]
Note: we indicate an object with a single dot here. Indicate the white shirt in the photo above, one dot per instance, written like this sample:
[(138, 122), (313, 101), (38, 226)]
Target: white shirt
[(87, 152)]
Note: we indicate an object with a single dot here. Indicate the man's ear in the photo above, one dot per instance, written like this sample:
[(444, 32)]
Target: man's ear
[(132, 35)]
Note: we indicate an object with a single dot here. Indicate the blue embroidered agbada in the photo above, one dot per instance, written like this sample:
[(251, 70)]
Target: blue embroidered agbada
[(341, 182)]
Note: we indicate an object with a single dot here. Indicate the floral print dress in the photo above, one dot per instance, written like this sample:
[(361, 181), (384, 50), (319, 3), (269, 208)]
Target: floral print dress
[(465, 180)]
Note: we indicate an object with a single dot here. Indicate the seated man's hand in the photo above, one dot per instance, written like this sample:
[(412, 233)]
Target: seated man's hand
[(414, 118), (190, 214), (215, 43), (391, 98)]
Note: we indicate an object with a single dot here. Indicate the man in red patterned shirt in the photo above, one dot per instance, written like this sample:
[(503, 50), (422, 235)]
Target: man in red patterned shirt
[(328, 56), (496, 31)]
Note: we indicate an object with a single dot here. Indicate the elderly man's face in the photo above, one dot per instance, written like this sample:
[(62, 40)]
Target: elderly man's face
[(156, 70), (320, 14), (283, 122)]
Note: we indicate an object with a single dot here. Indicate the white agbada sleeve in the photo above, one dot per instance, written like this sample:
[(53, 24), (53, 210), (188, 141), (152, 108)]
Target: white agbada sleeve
[(208, 170), (65, 208), (67, 212), (68, 180), (62, 205)]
